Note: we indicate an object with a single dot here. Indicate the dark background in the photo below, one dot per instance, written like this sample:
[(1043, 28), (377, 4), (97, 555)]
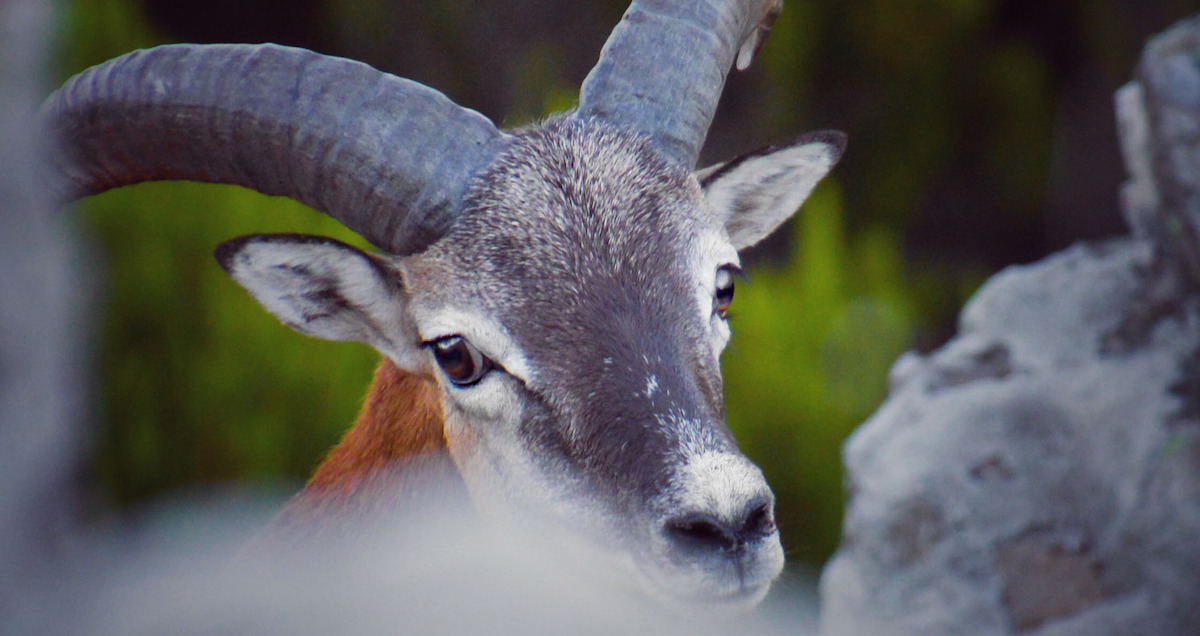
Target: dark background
[(981, 135)]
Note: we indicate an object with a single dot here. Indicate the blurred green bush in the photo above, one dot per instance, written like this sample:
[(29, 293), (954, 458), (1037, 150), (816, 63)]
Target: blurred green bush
[(199, 383), (813, 341)]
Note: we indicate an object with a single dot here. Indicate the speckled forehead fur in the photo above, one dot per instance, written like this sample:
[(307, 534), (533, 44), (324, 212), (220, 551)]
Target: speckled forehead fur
[(581, 241), (577, 202)]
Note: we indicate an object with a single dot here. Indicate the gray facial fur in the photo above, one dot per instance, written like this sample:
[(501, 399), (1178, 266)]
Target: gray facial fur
[(577, 241), (585, 268)]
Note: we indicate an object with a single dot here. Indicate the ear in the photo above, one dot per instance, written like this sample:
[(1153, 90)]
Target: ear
[(325, 289), (757, 192)]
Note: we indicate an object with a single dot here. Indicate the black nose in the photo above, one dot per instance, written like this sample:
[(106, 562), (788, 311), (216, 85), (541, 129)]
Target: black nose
[(704, 532)]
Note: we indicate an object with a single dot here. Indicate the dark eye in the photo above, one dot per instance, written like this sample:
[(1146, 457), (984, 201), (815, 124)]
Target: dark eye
[(724, 293), (461, 361)]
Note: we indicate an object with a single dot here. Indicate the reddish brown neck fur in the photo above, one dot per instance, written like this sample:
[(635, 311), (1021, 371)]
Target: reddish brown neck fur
[(402, 417), (395, 450)]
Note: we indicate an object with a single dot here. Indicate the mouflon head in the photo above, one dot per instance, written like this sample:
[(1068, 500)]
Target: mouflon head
[(566, 284)]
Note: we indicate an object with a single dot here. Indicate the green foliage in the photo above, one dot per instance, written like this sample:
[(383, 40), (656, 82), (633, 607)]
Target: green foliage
[(92, 31), (1021, 125), (539, 86), (200, 384), (813, 341)]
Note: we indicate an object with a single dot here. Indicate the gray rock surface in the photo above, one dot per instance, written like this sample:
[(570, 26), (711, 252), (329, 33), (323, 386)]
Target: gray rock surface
[(1040, 474), (1159, 117)]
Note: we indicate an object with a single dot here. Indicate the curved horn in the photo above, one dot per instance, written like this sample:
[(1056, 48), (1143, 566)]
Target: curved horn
[(386, 156), (662, 69)]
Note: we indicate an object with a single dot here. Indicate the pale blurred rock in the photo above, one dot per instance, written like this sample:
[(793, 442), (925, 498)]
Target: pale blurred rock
[(42, 344), (1159, 116)]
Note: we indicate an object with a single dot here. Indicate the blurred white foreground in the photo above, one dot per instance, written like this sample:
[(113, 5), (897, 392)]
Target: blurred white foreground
[(188, 569)]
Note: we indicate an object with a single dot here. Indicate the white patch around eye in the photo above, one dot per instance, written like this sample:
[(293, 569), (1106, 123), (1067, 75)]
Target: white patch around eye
[(711, 250), (491, 338), (723, 334), (491, 399)]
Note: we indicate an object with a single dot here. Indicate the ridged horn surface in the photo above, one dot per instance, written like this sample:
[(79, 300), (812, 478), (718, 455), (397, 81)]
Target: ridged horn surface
[(386, 156), (662, 70)]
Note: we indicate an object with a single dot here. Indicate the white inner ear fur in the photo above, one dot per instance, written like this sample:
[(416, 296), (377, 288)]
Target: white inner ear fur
[(755, 195), (328, 290)]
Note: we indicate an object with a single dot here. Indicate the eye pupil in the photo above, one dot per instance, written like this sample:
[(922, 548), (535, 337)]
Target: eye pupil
[(460, 360), (724, 294)]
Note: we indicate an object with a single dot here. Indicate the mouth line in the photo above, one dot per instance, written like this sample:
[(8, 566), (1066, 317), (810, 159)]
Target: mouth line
[(740, 595)]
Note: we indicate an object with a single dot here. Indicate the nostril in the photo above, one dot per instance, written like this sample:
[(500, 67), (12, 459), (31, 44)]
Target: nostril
[(701, 532), (759, 523)]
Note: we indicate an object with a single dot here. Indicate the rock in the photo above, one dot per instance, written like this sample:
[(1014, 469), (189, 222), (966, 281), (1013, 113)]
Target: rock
[(1040, 474), (1159, 122)]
